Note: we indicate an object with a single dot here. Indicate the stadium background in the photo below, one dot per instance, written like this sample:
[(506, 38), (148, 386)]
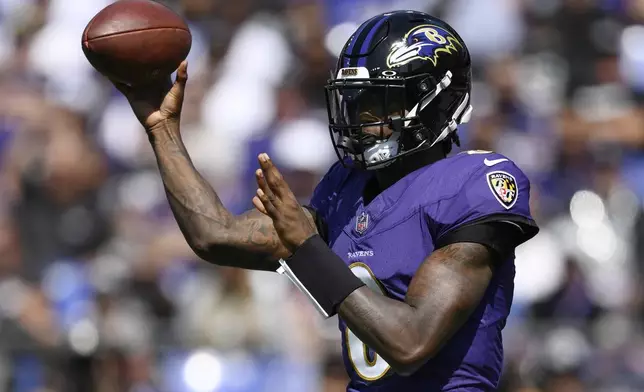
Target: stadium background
[(99, 292)]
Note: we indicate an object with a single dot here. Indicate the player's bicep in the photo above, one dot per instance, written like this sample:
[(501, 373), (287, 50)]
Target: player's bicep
[(448, 287)]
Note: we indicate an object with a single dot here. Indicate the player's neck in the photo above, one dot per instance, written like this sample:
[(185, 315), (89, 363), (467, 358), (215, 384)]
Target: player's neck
[(393, 173)]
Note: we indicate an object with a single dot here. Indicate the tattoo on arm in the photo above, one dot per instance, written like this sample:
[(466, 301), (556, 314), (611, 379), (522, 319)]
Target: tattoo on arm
[(444, 292), (213, 232)]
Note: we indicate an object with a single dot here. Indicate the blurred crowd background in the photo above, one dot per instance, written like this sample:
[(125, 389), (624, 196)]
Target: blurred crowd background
[(99, 291)]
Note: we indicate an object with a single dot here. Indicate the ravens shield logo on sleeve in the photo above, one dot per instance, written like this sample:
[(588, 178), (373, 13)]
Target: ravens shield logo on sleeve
[(504, 187)]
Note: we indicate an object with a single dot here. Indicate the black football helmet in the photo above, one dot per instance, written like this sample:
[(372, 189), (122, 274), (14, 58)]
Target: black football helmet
[(406, 74)]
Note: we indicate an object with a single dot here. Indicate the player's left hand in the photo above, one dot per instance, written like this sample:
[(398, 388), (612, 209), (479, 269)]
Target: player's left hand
[(275, 199)]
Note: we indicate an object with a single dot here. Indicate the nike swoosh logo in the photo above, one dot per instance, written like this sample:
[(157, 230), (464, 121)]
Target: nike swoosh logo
[(493, 162)]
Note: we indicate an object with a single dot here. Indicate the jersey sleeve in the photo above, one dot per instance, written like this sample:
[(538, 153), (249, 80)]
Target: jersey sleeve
[(491, 206)]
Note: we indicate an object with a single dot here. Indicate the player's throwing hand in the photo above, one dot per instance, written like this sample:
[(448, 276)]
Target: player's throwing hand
[(275, 199), (157, 102)]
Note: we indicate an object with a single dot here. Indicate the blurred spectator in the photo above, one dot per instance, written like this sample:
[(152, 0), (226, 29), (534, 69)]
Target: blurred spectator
[(99, 291)]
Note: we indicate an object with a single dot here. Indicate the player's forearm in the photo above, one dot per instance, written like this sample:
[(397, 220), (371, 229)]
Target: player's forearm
[(210, 229), (397, 331), (387, 326), (196, 207), (446, 290)]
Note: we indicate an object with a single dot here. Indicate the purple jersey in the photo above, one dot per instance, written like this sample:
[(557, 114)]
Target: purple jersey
[(385, 242)]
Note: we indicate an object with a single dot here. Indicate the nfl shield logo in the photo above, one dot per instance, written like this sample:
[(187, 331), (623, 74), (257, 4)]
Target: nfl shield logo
[(362, 223)]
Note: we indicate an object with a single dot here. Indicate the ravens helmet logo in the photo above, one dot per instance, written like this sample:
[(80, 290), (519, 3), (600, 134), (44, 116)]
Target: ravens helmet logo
[(424, 42)]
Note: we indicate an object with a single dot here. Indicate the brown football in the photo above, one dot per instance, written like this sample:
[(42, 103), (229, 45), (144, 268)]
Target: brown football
[(136, 41)]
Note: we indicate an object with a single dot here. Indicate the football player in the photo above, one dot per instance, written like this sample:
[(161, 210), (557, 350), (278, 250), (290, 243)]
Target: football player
[(414, 250)]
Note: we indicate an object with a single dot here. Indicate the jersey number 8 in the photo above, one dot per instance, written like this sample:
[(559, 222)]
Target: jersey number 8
[(368, 367)]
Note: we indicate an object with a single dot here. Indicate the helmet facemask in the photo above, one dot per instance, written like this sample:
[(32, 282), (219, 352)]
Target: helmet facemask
[(374, 121)]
